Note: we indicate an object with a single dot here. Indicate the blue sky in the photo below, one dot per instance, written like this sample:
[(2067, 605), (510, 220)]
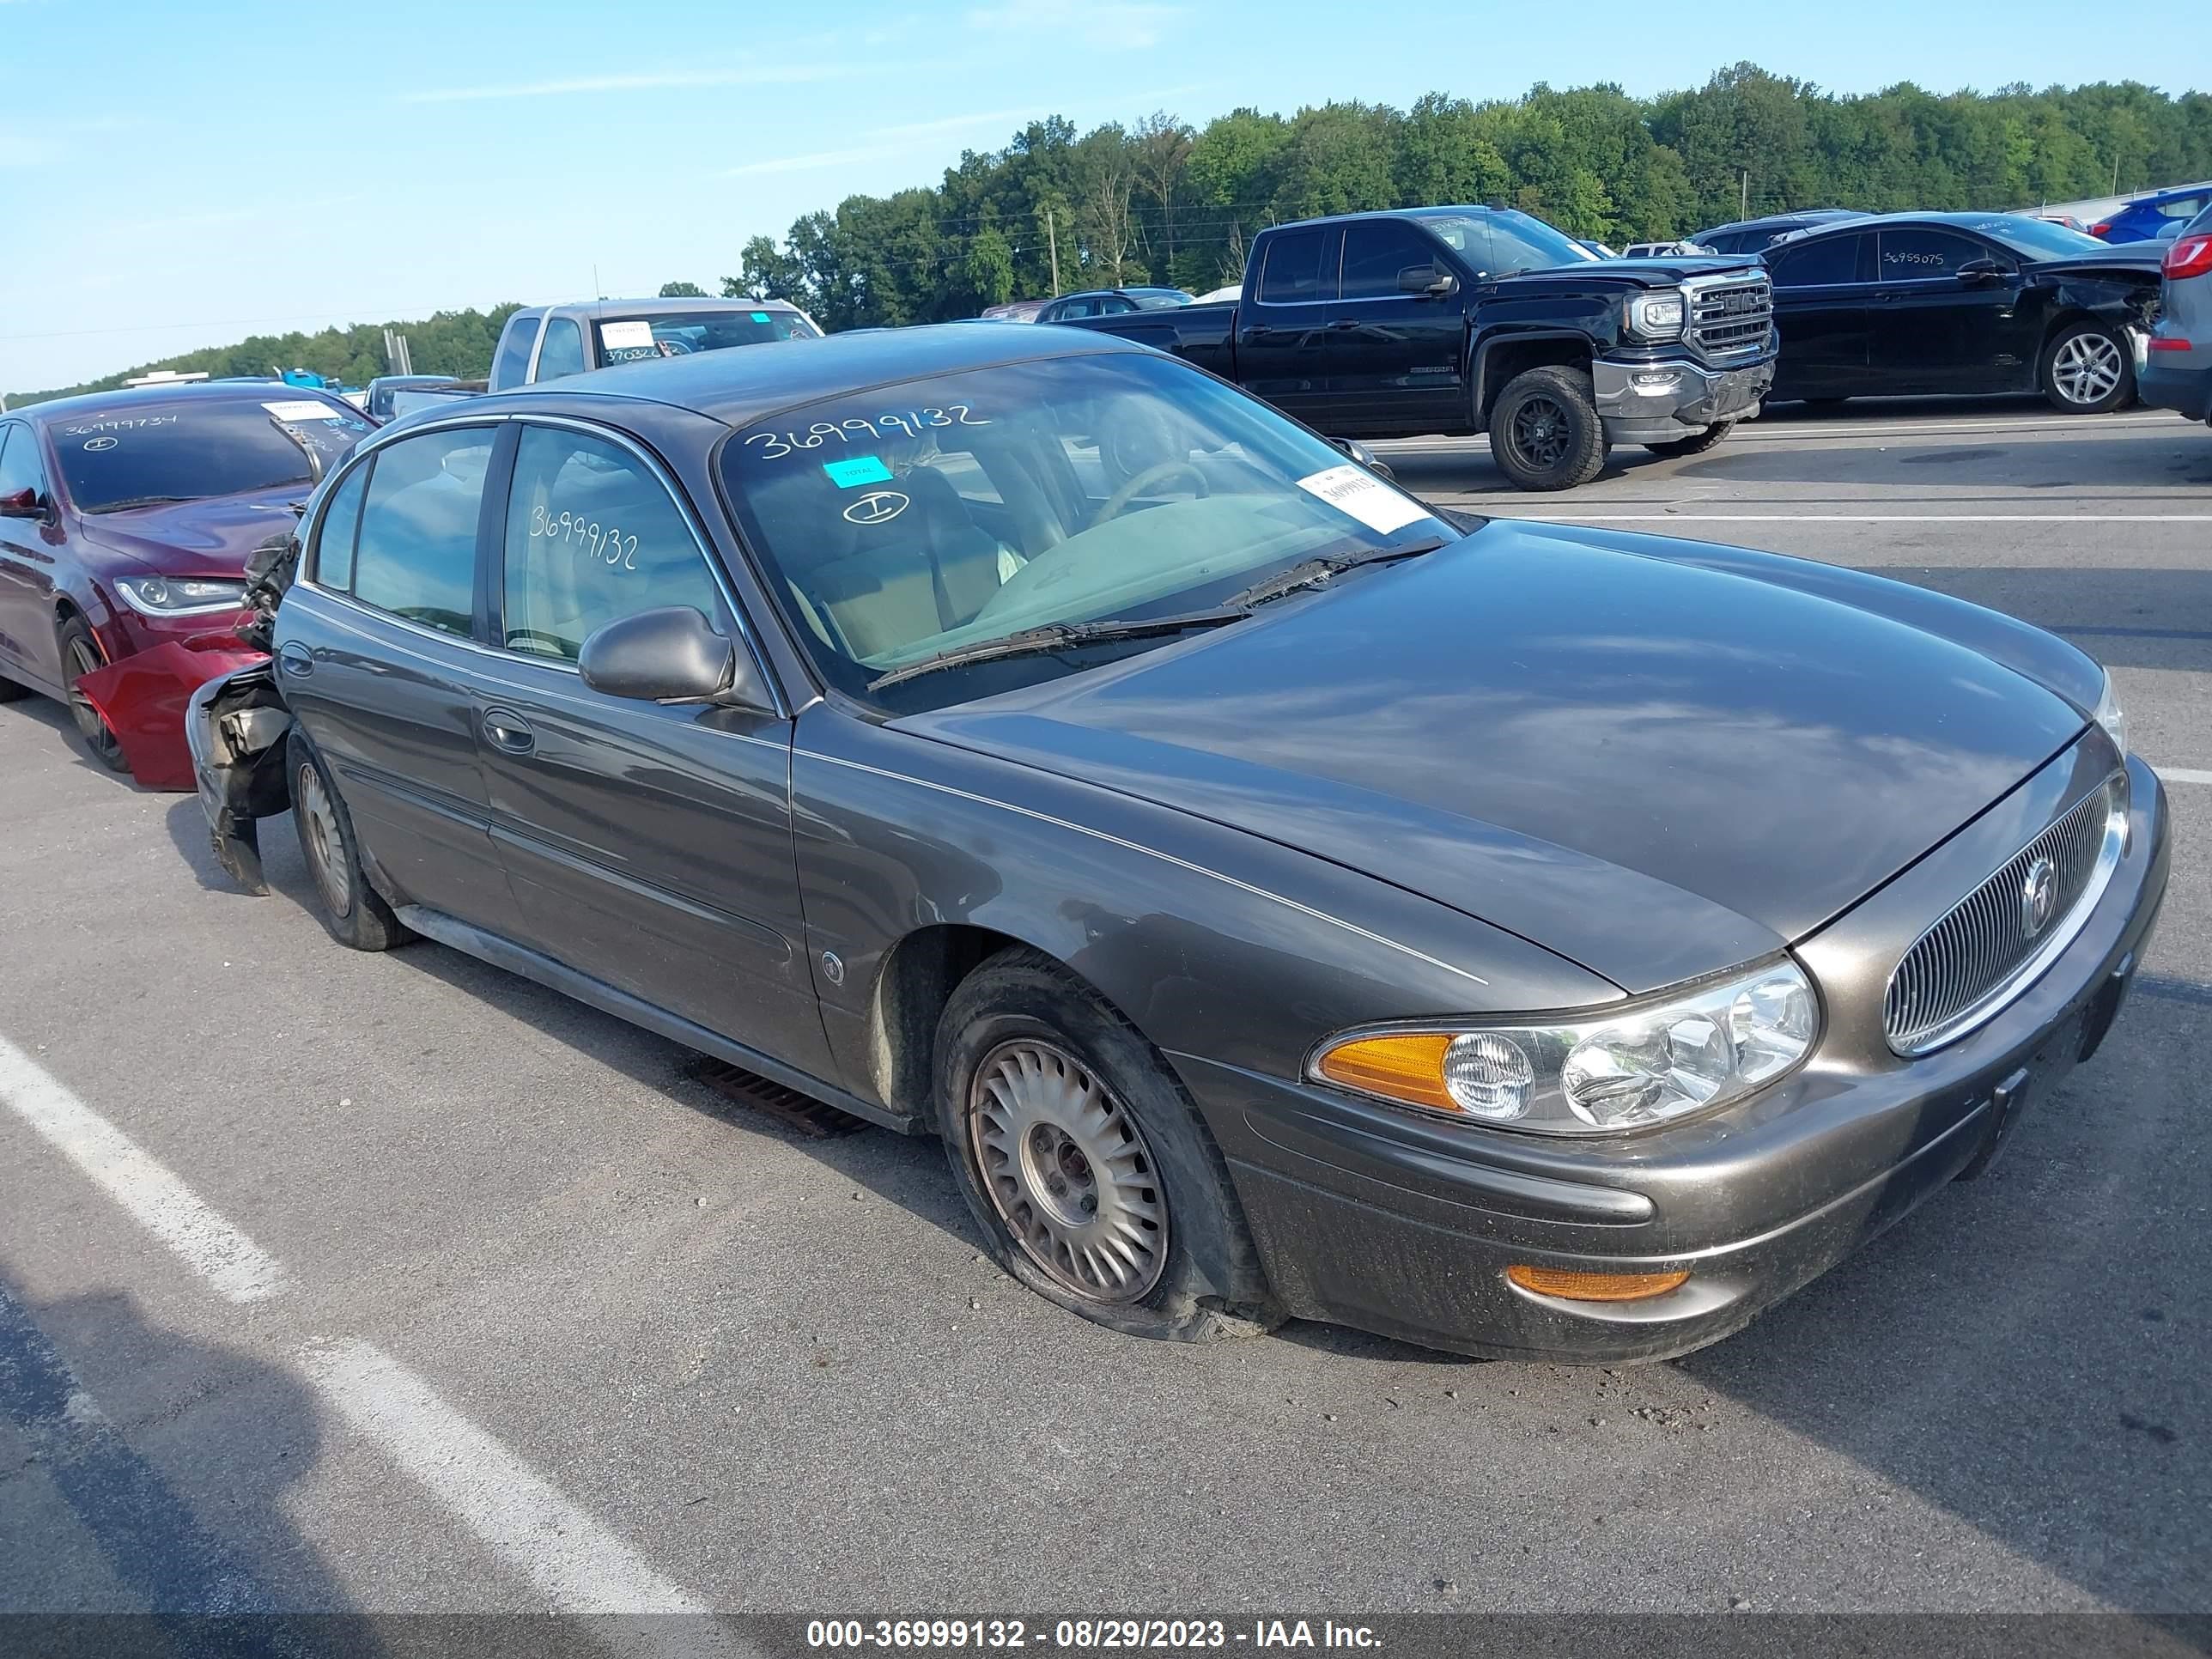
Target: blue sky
[(185, 174)]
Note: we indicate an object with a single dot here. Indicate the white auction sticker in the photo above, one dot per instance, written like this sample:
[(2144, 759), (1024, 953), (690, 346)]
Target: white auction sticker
[(626, 337), (303, 408), (1355, 490)]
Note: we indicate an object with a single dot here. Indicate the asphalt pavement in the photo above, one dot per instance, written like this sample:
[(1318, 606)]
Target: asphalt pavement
[(393, 1283)]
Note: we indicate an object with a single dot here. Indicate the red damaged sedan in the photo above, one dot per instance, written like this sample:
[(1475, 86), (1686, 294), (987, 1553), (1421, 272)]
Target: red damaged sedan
[(126, 521)]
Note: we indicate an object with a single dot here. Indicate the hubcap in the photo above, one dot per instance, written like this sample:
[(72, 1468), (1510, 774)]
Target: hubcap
[(1068, 1171), (2087, 368), (1539, 432), (82, 660), (324, 845)]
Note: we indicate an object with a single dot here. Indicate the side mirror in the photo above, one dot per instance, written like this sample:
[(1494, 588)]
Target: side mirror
[(1980, 270), (1426, 279), (672, 654), (1363, 456), (22, 504)]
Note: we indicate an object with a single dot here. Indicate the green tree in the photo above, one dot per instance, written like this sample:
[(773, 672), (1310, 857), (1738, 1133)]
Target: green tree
[(682, 291)]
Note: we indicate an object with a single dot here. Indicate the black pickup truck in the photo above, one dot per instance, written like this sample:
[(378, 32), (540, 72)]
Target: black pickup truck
[(1464, 319)]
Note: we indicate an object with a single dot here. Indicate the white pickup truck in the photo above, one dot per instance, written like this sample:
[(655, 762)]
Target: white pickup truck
[(549, 342)]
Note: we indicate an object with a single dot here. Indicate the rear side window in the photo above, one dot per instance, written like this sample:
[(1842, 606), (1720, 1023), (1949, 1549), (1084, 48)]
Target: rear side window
[(1913, 251), (2183, 207), (512, 362), (561, 352), (1814, 265), (1376, 251), (416, 554), (334, 541), (592, 536), (1293, 273), (19, 461)]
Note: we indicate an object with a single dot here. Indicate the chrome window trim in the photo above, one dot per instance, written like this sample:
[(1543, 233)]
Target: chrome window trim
[(2002, 995)]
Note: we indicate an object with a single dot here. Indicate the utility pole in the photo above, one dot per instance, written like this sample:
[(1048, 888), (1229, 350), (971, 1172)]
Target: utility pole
[(1743, 196), (1053, 237)]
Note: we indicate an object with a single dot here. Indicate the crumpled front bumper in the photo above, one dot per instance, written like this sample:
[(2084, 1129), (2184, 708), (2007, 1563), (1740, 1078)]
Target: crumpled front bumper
[(1669, 397)]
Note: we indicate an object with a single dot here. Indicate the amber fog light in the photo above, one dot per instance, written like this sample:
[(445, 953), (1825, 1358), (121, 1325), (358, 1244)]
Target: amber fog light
[(1576, 1286)]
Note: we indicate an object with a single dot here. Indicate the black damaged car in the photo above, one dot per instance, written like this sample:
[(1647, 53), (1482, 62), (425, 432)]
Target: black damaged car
[(1280, 900)]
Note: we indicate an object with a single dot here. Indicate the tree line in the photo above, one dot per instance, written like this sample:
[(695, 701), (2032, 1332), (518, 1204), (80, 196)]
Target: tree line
[(1163, 201)]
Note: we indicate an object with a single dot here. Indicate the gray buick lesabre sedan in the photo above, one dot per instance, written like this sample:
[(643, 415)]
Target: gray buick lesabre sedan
[(1280, 899)]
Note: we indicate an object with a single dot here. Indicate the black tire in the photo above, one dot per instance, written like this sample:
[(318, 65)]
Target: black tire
[(1544, 432), (81, 654), (1696, 444), (2088, 368), (351, 910), (1189, 1271)]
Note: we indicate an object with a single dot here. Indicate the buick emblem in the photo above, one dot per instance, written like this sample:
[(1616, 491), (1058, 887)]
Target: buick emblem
[(877, 507), (2039, 897)]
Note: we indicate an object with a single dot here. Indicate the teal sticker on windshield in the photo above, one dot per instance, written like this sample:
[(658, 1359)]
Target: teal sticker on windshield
[(859, 470), (760, 316)]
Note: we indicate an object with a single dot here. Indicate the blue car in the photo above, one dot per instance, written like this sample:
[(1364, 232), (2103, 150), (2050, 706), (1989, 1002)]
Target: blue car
[(2148, 217)]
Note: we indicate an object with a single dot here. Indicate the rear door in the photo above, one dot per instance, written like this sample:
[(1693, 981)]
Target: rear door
[(1395, 357), (28, 548), (1283, 334), (1823, 289), (648, 846), (1934, 330)]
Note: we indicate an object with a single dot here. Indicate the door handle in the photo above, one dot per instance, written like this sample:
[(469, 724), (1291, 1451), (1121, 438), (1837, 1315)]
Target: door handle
[(296, 659), (505, 730), (1345, 322)]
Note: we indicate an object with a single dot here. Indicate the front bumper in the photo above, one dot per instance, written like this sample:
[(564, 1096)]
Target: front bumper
[(1668, 398), (1403, 1224)]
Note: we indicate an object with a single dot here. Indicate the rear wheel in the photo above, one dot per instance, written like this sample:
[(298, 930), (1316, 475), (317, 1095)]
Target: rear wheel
[(1544, 432), (81, 656), (1696, 444), (2086, 369), (349, 908)]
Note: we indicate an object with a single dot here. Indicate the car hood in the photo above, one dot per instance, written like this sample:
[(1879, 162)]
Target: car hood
[(213, 538), (1657, 769), (1647, 272)]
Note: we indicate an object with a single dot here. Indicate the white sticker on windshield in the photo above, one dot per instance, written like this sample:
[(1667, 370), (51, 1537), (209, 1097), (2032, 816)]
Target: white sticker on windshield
[(1355, 490), (626, 337), (304, 409)]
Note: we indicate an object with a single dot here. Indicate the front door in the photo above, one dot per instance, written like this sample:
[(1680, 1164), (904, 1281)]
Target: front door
[(1283, 336), (1822, 291), (648, 846), (1395, 358), (1937, 330)]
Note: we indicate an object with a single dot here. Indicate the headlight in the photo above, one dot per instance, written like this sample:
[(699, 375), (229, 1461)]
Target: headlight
[(179, 596), (2109, 714), (1597, 1074), (1656, 316)]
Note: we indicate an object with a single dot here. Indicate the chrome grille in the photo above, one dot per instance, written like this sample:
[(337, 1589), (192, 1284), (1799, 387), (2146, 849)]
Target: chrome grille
[(1730, 318), (1969, 965)]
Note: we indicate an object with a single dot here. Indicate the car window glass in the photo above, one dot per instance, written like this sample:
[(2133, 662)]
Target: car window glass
[(1115, 307), (1293, 273), (417, 548), (592, 536), (19, 461), (1926, 251), (1811, 265), (2181, 207), (561, 353), (1376, 251), (334, 541), (513, 359)]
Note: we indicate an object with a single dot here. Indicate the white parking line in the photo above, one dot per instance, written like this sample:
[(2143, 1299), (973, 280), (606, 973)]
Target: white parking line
[(2181, 774), (240, 1269)]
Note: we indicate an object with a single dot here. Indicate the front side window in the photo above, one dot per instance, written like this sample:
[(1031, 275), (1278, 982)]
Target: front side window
[(592, 536), (896, 524), (639, 339), (1823, 264), (1376, 251), (416, 554), (1918, 250), (561, 353), (1293, 273), (20, 469), (192, 448), (334, 541)]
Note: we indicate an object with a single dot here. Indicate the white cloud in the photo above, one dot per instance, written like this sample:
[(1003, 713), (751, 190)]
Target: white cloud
[(645, 81), (820, 158), (1108, 23)]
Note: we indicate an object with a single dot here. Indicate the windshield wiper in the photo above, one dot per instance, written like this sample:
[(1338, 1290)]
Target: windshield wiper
[(129, 502), (1061, 636), (1313, 572)]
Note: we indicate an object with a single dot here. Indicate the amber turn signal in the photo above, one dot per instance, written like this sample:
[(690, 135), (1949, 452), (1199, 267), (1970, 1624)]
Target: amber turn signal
[(1406, 1065), (1577, 1286)]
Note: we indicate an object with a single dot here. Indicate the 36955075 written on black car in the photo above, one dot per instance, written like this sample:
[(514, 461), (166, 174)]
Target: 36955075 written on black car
[(1280, 898)]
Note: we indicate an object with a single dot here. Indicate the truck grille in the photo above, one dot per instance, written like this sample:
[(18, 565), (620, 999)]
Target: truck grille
[(1991, 947), (1731, 319)]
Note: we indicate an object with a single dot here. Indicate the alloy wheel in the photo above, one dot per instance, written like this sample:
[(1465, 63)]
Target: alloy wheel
[(1068, 1171), (2087, 368), (1539, 429), (83, 658), (320, 838)]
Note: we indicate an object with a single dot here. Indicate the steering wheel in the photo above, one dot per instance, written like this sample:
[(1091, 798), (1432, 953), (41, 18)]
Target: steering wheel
[(1118, 502)]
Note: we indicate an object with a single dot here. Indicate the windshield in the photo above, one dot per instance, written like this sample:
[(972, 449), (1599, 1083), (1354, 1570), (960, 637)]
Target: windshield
[(900, 523), (632, 339), (1504, 240), (2039, 238), (188, 451)]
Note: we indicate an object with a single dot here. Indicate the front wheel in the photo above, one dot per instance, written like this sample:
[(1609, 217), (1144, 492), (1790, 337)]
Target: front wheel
[(81, 656), (1089, 1171), (2088, 369), (1544, 432), (1696, 444)]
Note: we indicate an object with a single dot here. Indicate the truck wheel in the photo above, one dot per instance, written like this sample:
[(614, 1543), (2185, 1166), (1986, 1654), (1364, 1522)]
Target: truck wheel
[(81, 656), (1087, 1169), (349, 908), (1544, 429), (2086, 371), (1696, 444)]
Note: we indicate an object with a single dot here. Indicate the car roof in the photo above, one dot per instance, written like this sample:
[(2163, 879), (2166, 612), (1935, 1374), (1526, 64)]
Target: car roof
[(594, 310), (1801, 217), (126, 398), (739, 386), (2158, 196), (1952, 221)]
